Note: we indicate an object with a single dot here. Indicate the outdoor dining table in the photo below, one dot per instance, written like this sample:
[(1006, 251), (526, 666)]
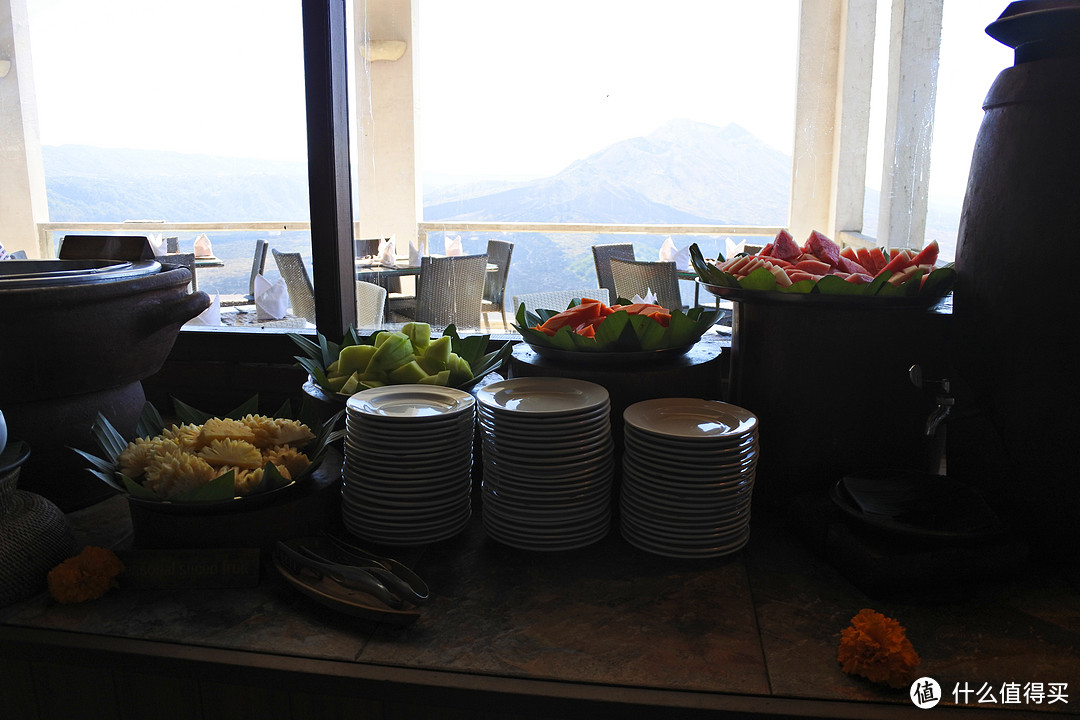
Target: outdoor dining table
[(371, 270)]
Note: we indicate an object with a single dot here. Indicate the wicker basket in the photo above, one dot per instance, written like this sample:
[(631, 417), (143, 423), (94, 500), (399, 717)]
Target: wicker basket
[(35, 535)]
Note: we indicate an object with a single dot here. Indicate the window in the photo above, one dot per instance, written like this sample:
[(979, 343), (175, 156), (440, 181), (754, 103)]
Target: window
[(177, 113), (471, 94)]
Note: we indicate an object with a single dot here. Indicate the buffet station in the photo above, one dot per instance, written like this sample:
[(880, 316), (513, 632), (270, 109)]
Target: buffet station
[(856, 500)]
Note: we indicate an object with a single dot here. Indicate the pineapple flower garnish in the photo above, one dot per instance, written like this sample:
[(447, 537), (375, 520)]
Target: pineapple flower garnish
[(288, 457), (270, 432), (232, 452), (175, 471), (185, 457), (877, 648), (224, 429)]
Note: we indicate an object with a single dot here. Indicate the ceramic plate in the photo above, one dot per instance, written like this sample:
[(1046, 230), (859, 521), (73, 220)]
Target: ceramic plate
[(546, 396), (409, 402), (690, 418)]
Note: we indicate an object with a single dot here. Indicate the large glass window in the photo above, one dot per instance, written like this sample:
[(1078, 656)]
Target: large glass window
[(604, 111), (186, 112)]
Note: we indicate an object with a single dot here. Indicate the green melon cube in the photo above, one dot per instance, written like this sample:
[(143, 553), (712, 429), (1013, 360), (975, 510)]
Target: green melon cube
[(352, 383), (410, 372), (395, 350), (439, 378), (439, 350), (419, 333), (335, 383), (354, 358), (460, 370)]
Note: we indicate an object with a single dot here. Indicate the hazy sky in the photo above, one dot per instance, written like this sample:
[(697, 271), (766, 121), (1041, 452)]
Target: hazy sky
[(508, 87)]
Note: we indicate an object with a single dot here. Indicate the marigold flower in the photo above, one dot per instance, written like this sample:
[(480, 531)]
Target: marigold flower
[(87, 576), (877, 648)]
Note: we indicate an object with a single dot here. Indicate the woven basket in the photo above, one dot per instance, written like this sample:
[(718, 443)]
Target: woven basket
[(35, 535)]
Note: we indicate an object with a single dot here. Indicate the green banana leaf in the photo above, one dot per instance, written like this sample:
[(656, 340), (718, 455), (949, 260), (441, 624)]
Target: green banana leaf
[(318, 356), (619, 331)]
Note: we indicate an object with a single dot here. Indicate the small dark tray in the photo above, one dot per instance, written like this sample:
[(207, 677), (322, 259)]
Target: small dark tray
[(916, 505)]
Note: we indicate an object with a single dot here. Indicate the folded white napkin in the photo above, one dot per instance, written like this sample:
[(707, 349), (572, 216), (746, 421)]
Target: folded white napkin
[(209, 316), (679, 256), (387, 253), (271, 299), (157, 243), (414, 253), (453, 246), (731, 249), (202, 246), (649, 299)]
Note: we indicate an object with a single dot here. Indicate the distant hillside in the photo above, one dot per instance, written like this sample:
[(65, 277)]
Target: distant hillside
[(685, 172), (113, 185)]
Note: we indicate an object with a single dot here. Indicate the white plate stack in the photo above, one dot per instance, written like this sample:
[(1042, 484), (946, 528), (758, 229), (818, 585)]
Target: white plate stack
[(548, 462), (408, 463), (688, 476)]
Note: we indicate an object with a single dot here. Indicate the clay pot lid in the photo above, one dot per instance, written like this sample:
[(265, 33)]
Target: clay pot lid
[(43, 273), (1039, 29)]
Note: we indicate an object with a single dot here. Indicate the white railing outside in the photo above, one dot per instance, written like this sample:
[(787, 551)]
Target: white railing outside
[(48, 231)]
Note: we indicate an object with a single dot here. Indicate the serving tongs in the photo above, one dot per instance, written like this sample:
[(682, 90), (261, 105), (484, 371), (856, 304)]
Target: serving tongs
[(350, 576), (402, 581)]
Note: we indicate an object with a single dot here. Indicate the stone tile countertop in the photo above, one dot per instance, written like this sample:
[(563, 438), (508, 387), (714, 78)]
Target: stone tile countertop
[(761, 626)]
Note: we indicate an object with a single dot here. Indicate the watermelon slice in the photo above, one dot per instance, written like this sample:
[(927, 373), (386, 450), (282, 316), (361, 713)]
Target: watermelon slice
[(785, 247), (850, 266), (823, 248), (814, 267), (928, 255)]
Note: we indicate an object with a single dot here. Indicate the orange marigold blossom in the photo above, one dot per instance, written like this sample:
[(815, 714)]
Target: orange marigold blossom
[(877, 648), (86, 576)]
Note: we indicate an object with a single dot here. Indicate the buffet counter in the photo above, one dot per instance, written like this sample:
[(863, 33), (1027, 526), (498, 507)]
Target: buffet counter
[(604, 631)]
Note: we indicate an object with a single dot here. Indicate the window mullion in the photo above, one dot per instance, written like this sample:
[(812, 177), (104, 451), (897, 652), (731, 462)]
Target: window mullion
[(915, 42)]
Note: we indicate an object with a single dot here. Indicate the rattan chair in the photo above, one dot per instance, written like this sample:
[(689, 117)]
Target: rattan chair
[(636, 277), (494, 298), (370, 305), (258, 267), (602, 255), (448, 291), (557, 299), (298, 283)]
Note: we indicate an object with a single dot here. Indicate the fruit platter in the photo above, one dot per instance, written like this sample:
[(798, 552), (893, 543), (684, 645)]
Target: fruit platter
[(202, 462), (819, 271), (591, 331), (405, 356)]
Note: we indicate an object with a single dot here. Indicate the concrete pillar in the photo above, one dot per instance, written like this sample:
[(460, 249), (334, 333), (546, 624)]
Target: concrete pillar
[(23, 202), (385, 109), (915, 42), (832, 109)]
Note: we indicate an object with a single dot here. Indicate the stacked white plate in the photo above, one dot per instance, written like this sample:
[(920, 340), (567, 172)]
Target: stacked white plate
[(688, 476), (548, 462), (407, 474)]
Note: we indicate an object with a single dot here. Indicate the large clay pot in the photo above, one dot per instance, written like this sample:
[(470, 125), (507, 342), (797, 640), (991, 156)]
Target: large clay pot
[(78, 339), (1018, 343)]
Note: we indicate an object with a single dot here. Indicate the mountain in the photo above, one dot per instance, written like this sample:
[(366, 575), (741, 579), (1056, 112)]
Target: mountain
[(685, 172), (113, 185)]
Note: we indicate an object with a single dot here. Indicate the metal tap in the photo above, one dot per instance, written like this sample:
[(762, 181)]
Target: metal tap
[(943, 405)]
